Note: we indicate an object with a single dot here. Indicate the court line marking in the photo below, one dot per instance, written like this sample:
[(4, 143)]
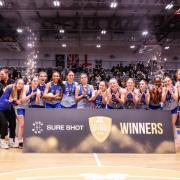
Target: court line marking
[(73, 176), (98, 162), (103, 166)]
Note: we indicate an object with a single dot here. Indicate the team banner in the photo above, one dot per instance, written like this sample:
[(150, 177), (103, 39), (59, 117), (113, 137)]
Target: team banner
[(100, 131)]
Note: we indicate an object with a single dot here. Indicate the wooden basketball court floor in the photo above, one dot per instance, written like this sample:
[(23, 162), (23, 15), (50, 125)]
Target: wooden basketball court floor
[(15, 165)]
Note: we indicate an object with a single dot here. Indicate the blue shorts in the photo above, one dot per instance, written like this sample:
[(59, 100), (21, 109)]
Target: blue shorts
[(174, 111), (178, 109), (56, 106), (151, 107), (109, 107), (73, 107), (20, 112)]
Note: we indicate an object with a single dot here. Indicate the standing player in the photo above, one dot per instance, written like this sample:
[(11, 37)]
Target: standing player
[(170, 99), (17, 97), (131, 95), (42, 86), (155, 91), (115, 95), (53, 91), (99, 97), (143, 95), (68, 100), (13, 94), (178, 88), (83, 93)]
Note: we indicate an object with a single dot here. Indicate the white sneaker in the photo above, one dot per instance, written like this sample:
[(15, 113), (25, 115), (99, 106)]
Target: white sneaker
[(4, 144), (13, 144)]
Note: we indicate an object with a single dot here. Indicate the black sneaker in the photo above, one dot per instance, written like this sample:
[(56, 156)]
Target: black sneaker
[(21, 145)]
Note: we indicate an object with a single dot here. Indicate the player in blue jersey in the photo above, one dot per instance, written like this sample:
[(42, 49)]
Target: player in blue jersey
[(53, 92), (115, 95), (33, 94), (68, 100), (84, 93), (143, 96), (131, 95), (99, 97), (178, 89), (13, 94), (42, 85), (155, 91), (170, 99)]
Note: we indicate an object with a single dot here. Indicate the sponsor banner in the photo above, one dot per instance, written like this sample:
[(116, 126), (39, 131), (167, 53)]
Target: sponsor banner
[(100, 131)]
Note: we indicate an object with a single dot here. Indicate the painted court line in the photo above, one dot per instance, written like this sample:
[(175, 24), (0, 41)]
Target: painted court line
[(90, 166), (100, 177), (98, 162)]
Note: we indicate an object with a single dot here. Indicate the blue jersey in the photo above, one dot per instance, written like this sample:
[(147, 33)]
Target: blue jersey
[(83, 102), (170, 103), (129, 103), (42, 88), (98, 104), (32, 100), (142, 104), (68, 99), (54, 89), (4, 99), (115, 103)]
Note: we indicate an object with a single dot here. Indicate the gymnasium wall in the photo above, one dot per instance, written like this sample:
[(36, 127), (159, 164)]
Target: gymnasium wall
[(110, 56)]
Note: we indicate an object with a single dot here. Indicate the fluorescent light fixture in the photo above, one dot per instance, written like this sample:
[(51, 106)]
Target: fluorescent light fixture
[(1, 3), (169, 6), (132, 46), (56, 3), (113, 4), (19, 30), (64, 45), (166, 47), (62, 31), (103, 32), (98, 46), (145, 33)]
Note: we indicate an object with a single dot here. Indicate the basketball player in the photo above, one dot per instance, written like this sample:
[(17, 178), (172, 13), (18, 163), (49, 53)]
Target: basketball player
[(155, 91), (115, 95), (99, 97), (83, 93), (131, 95), (9, 97), (178, 88), (17, 97), (68, 100), (143, 96), (53, 91), (42, 85), (33, 94), (170, 99)]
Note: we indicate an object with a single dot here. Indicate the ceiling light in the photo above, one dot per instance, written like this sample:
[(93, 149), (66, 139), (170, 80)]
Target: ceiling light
[(19, 30), (103, 32), (1, 3), (64, 45), (62, 31), (113, 4), (145, 33), (169, 6), (98, 46), (56, 3), (132, 46), (166, 47)]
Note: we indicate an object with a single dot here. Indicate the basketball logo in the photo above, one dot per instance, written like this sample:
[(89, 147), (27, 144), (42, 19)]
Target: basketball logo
[(100, 127)]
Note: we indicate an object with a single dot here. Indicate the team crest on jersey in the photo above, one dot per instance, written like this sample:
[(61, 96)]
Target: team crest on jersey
[(100, 127)]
